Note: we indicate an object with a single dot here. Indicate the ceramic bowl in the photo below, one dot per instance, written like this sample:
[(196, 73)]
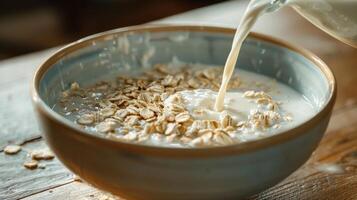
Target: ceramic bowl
[(147, 172)]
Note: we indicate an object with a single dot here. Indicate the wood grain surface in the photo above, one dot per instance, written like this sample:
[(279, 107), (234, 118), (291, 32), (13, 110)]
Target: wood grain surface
[(74, 190), (331, 172), (17, 181), (17, 119)]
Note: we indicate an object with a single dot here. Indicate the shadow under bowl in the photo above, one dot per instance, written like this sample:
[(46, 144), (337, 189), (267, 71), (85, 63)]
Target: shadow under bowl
[(149, 172)]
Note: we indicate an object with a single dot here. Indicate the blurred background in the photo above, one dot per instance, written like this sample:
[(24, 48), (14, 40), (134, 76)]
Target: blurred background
[(32, 25)]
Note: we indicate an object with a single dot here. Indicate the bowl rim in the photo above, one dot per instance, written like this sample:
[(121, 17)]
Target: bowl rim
[(239, 148)]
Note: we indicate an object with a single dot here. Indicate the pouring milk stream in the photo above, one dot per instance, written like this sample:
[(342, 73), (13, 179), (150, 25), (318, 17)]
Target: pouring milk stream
[(336, 17)]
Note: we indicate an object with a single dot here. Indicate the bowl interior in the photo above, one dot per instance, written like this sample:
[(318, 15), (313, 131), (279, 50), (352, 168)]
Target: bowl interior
[(118, 52)]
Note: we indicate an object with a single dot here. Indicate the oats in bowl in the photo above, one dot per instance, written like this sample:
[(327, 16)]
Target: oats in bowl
[(174, 106)]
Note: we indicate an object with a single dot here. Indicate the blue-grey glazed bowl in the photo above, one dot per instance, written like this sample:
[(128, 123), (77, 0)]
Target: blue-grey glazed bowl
[(147, 172)]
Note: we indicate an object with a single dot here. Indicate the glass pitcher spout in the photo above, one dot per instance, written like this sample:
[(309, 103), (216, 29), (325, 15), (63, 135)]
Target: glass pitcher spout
[(336, 17)]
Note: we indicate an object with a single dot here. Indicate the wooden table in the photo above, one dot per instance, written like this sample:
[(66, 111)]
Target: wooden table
[(331, 173)]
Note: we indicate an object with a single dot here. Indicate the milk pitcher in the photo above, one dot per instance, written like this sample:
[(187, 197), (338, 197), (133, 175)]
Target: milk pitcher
[(336, 17)]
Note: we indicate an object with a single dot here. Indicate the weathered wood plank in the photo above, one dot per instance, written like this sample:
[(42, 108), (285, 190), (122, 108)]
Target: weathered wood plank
[(74, 190), (331, 173), (17, 120), (343, 64), (16, 181), (343, 118)]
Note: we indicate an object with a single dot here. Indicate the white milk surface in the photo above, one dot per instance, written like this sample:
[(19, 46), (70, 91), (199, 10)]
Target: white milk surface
[(292, 104)]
